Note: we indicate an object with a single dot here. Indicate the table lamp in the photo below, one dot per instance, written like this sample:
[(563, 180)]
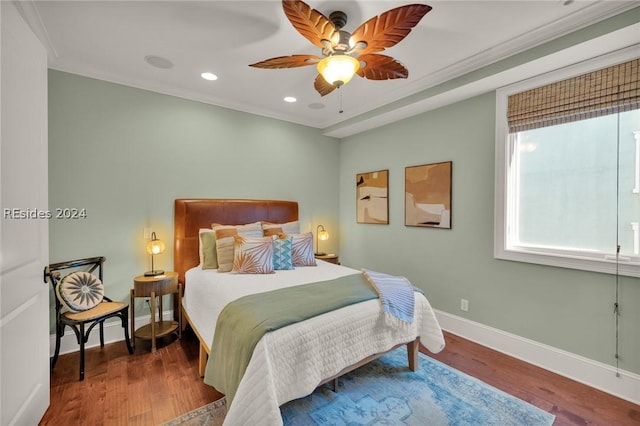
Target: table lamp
[(323, 235), (154, 246)]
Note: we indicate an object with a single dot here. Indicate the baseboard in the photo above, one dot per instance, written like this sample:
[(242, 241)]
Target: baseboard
[(112, 333), (623, 384)]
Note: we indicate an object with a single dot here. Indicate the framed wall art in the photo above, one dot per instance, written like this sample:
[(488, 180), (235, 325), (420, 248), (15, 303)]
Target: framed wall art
[(372, 197), (427, 191)]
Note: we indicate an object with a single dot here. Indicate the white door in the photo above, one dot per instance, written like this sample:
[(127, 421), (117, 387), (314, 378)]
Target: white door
[(24, 242)]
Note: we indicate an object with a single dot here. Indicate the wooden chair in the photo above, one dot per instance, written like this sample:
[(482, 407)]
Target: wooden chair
[(81, 304)]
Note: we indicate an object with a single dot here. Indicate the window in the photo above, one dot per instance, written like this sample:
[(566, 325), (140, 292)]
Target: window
[(568, 168)]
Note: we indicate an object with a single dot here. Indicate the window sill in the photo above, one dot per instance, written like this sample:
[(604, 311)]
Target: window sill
[(630, 268)]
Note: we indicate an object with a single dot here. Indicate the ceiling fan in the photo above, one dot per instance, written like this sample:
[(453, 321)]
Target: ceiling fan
[(345, 54)]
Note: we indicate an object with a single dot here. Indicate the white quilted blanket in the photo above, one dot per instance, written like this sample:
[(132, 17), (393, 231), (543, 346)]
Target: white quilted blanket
[(289, 363)]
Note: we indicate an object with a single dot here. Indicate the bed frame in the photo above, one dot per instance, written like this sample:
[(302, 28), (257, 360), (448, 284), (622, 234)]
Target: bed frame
[(190, 215)]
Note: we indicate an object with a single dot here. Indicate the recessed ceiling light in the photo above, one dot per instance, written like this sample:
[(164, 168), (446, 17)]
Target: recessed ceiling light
[(209, 76), (158, 61), (290, 99)]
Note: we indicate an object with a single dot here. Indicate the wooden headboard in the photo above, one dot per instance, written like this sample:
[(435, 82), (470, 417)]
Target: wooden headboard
[(189, 215)]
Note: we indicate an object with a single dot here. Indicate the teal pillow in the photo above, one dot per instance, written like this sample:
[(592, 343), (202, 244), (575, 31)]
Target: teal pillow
[(283, 253)]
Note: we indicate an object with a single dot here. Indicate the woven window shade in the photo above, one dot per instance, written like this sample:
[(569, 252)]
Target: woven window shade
[(606, 91)]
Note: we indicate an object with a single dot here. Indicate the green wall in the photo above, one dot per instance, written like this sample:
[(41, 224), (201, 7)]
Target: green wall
[(125, 154), (567, 309)]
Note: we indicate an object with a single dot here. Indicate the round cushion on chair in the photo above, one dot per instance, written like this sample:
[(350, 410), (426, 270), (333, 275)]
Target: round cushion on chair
[(80, 291)]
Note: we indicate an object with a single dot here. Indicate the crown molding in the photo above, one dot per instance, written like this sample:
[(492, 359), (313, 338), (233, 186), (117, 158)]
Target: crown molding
[(371, 115), (29, 12), (423, 102)]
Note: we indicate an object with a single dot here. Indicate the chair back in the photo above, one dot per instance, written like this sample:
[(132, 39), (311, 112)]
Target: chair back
[(88, 265)]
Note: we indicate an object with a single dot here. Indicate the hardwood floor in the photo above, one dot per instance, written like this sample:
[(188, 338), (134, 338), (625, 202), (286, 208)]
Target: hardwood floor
[(121, 389), (571, 402), (148, 389)]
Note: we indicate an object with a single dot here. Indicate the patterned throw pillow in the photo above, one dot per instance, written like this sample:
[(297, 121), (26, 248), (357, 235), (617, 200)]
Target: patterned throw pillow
[(80, 291), (253, 255), (283, 253), (225, 241), (303, 250)]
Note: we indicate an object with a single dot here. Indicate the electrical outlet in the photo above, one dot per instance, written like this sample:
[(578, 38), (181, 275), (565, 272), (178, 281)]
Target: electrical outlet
[(464, 305)]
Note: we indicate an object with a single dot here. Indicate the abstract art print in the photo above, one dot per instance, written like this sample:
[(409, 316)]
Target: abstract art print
[(428, 195), (372, 197)]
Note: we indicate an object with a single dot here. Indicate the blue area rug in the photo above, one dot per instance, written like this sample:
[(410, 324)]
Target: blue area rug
[(386, 392)]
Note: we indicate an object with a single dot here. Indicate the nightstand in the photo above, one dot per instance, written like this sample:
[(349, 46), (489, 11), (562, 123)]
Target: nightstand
[(155, 287), (329, 257)]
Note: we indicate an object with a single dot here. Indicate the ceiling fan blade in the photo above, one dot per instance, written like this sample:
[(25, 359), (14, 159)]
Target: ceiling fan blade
[(322, 87), (292, 61), (388, 29), (309, 22), (381, 67)]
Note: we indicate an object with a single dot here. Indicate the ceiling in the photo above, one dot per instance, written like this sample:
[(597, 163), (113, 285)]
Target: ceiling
[(109, 40)]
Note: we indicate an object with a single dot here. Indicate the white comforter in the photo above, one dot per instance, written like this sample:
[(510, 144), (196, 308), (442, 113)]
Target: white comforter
[(290, 362)]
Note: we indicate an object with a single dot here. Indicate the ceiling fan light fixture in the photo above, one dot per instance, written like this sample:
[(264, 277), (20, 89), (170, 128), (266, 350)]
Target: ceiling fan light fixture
[(344, 53), (338, 69)]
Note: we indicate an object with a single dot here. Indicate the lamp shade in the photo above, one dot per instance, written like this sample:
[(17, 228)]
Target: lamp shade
[(155, 246), (338, 69)]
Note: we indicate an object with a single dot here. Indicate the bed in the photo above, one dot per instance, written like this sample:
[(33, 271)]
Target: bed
[(292, 361)]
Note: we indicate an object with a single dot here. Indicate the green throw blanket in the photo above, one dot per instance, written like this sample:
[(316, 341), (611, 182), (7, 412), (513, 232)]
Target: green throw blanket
[(243, 322)]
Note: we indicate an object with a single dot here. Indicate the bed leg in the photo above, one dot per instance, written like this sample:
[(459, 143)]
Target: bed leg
[(202, 360), (412, 354), (335, 384)]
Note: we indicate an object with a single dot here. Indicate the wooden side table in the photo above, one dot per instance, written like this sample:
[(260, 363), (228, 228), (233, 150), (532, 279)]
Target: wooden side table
[(153, 287), (329, 257)]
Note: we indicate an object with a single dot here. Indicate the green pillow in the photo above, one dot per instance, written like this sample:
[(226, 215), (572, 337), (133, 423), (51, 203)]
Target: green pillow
[(208, 255)]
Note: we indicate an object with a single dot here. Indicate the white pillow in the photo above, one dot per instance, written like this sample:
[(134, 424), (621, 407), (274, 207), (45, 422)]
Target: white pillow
[(287, 228)]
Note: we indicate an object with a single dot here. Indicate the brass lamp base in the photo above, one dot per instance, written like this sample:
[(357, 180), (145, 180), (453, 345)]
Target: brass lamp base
[(153, 273)]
